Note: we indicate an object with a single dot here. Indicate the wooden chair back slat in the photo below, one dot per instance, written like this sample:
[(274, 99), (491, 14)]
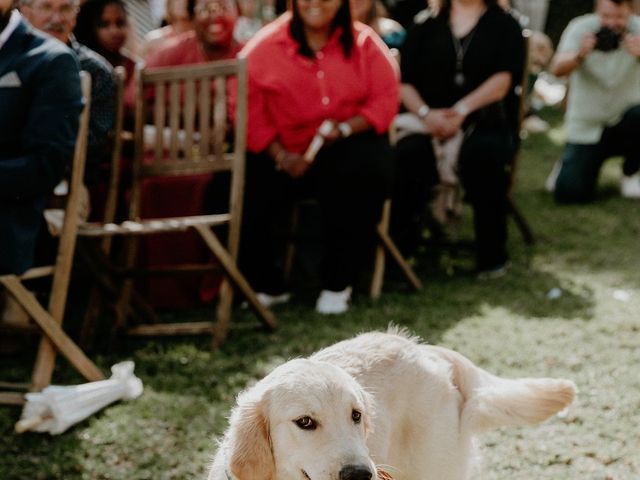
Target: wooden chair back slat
[(119, 75), (189, 118), (219, 117), (159, 118), (174, 118), (204, 99)]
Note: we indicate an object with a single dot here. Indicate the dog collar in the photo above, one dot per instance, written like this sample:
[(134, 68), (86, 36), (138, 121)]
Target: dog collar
[(383, 475)]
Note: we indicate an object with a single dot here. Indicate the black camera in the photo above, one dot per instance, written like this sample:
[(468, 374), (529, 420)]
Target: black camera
[(607, 39)]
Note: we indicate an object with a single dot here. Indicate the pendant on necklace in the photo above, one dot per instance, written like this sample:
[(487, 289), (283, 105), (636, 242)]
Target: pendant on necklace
[(459, 79)]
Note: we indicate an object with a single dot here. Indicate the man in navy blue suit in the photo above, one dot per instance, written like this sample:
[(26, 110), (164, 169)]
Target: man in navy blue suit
[(40, 100)]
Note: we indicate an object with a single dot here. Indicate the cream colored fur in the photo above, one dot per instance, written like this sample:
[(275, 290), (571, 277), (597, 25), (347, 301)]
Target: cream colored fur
[(421, 407)]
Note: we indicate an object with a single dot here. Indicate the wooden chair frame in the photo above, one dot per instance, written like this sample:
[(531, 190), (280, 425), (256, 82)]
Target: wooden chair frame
[(182, 153), (385, 246), (50, 320)]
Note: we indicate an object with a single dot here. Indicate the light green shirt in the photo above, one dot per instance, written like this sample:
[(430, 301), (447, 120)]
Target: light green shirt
[(603, 87)]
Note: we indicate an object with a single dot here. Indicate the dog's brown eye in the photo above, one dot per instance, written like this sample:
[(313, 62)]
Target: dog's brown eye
[(306, 423), (356, 416)]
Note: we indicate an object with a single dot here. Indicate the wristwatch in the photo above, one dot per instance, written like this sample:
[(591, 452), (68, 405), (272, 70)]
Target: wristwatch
[(461, 108), (423, 111), (345, 129)]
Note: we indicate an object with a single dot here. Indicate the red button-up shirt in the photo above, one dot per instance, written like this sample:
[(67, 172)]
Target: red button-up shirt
[(290, 95)]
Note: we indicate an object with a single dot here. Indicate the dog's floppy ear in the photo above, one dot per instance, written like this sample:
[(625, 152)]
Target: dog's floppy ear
[(492, 402), (250, 455)]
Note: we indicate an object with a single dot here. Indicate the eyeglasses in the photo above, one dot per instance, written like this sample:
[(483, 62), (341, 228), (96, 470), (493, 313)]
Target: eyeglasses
[(213, 9), (67, 10)]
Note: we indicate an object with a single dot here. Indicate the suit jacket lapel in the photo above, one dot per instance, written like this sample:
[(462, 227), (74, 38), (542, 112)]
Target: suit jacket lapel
[(13, 47)]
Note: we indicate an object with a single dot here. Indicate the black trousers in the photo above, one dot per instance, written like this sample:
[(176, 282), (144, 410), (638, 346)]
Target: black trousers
[(482, 169), (350, 179)]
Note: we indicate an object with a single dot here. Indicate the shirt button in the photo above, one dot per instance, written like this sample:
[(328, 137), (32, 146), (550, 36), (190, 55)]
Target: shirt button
[(320, 74), (325, 100), (319, 55)]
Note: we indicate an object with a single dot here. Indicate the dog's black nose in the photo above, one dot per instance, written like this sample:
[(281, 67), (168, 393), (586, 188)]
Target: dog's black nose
[(355, 472)]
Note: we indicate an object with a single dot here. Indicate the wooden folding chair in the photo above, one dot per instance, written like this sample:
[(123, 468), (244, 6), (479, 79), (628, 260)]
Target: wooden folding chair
[(50, 320), (190, 132)]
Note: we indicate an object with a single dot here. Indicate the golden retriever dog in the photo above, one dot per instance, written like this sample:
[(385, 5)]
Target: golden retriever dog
[(378, 406)]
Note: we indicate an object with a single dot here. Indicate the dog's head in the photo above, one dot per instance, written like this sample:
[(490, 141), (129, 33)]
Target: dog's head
[(307, 420)]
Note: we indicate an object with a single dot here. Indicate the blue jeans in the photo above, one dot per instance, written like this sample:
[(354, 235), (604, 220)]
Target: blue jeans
[(578, 177)]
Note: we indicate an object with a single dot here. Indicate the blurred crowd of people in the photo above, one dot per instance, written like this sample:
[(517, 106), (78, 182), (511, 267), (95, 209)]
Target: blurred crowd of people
[(341, 69)]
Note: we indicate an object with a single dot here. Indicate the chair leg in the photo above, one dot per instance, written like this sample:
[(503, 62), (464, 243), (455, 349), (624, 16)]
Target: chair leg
[(391, 248), (377, 277), (90, 319), (521, 222), (387, 245), (100, 267), (55, 336), (223, 315), (290, 253), (234, 275), (123, 303)]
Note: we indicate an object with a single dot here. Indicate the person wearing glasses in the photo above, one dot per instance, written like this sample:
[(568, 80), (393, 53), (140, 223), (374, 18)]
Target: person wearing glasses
[(58, 18), (315, 67), (211, 38)]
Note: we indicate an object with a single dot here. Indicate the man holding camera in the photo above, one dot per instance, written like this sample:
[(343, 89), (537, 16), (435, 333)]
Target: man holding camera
[(600, 52)]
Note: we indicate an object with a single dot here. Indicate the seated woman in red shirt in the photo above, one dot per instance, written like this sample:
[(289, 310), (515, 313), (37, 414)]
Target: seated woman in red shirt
[(311, 65)]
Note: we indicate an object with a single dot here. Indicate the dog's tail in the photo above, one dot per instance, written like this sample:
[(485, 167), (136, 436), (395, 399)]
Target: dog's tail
[(491, 402)]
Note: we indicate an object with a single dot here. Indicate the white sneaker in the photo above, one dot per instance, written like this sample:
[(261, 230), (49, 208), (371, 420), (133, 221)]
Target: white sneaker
[(267, 300), (550, 183), (333, 303), (534, 124), (630, 186)]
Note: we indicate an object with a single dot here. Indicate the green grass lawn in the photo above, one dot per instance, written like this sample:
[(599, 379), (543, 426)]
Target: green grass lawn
[(590, 333)]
